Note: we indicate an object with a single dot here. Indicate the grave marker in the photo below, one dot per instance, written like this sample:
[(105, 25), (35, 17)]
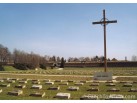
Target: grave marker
[(54, 88), (93, 90), (36, 87), (110, 84), (23, 81), (11, 81), (20, 86), (104, 75), (79, 84), (35, 82), (49, 83), (89, 97), (15, 92), (1, 80), (38, 94), (58, 80), (73, 88), (63, 95), (133, 90), (5, 85), (116, 97), (0, 90), (94, 84), (127, 85), (46, 80), (113, 90), (64, 83)]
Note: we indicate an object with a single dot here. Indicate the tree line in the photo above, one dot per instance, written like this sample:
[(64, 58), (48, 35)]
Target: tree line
[(24, 60)]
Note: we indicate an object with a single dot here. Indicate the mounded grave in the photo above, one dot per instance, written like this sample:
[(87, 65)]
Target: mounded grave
[(127, 85), (0, 90), (83, 81), (64, 83), (58, 80), (5, 85), (116, 97), (70, 81), (35, 82), (47, 80), (63, 95), (73, 88), (15, 92), (123, 82), (93, 89), (11, 81), (94, 84), (89, 97), (95, 81), (20, 86), (36, 87), (54, 88), (37, 94), (133, 90), (109, 81), (16, 79), (49, 83), (79, 84), (113, 90), (134, 81), (23, 81), (110, 84), (1, 80)]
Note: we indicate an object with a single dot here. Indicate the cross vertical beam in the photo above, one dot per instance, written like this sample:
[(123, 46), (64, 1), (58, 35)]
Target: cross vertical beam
[(105, 49), (104, 22)]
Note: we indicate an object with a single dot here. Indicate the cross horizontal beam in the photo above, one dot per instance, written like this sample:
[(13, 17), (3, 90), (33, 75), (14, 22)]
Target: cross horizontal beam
[(102, 22)]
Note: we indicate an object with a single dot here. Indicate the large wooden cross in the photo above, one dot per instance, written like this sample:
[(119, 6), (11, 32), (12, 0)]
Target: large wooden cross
[(104, 22)]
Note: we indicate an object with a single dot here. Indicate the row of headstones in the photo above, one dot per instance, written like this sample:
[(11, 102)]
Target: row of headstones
[(67, 95), (12, 80), (95, 83), (71, 88)]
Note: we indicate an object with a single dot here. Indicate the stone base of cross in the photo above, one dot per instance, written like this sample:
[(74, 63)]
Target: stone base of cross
[(103, 76)]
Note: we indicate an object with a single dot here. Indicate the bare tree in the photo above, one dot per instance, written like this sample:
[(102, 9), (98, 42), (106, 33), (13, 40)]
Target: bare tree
[(134, 58), (4, 54)]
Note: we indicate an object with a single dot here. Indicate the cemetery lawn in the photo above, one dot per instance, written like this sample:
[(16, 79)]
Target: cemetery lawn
[(117, 71), (75, 74), (75, 95), (9, 68)]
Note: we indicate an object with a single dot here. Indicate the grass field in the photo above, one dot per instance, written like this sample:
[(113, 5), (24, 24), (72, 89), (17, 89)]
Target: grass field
[(75, 95), (118, 71), (75, 74)]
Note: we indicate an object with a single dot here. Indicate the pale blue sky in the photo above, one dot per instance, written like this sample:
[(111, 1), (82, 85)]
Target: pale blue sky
[(66, 30)]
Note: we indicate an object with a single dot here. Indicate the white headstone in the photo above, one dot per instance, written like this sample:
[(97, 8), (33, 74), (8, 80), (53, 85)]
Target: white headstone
[(38, 94), (23, 81), (64, 83), (15, 92), (133, 90), (73, 88), (63, 95), (116, 97), (36, 87), (89, 97), (49, 83), (20, 86), (54, 88), (79, 84), (0, 90)]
